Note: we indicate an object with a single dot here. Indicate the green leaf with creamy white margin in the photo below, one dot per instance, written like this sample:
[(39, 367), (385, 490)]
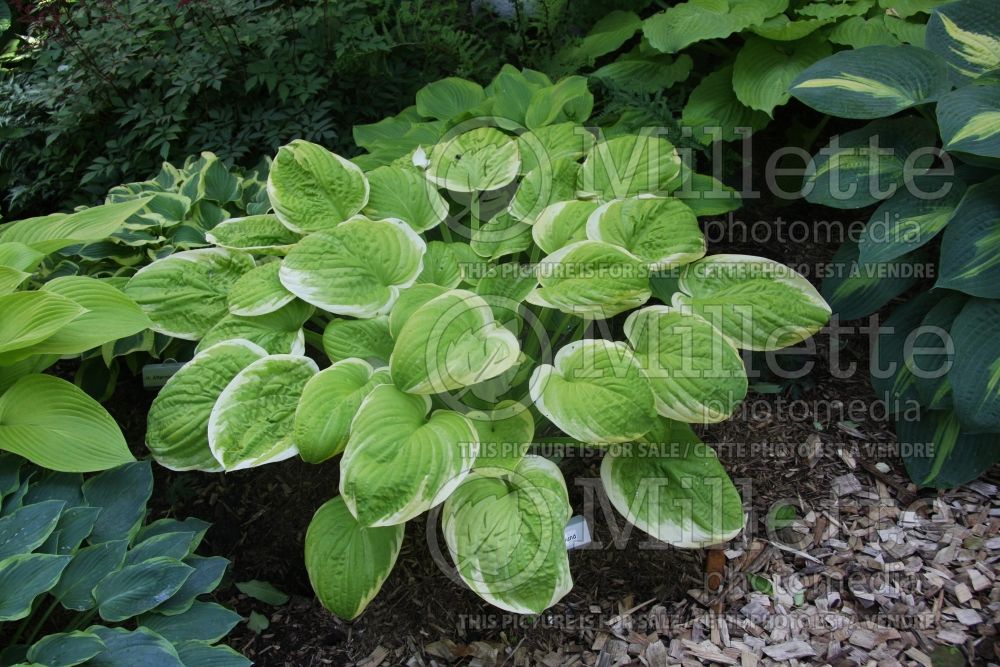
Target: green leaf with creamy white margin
[(503, 235), (967, 35), (441, 265), (674, 488), (697, 20), (663, 232), (970, 120), (399, 461), (592, 280), (279, 332), (403, 193), (259, 292), (53, 424), (630, 165), (347, 562), (505, 434), (505, 534), (595, 392), (764, 69), (547, 183), (177, 425), (449, 97), (560, 224), (53, 232), (186, 294), (452, 341), (475, 161), (28, 318), (757, 303), (312, 189), (355, 269), (329, 402), (696, 374), (873, 82), (409, 301), (259, 234), (252, 422), (359, 339), (562, 141), (970, 247), (975, 376)]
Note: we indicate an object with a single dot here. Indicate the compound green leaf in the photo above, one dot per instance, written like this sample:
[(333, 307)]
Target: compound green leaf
[(474, 161), (661, 231)]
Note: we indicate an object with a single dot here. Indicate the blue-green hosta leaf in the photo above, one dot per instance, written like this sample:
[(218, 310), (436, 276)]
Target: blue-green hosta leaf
[(873, 82), (696, 374), (855, 289), (630, 165), (360, 339), (23, 578), (929, 356), (560, 224), (505, 532), (592, 280), (892, 377), (123, 493), (505, 434), (551, 143), (279, 332), (329, 402), (65, 649), (674, 488), (89, 566), (967, 36), (970, 261), (186, 294), (970, 119), (975, 376), (138, 588), (347, 561), (207, 574), (204, 621), (53, 232), (661, 231), (54, 424), (595, 392), (203, 654), (177, 545), (441, 265), (261, 234), (714, 113), (939, 454), (138, 647), (640, 73), (450, 342), (24, 529), (399, 460), (474, 161), (764, 69), (259, 292), (697, 20), (447, 98), (503, 235), (551, 181), (757, 303), (28, 318), (252, 422), (75, 524), (312, 189), (356, 268), (409, 301), (177, 425), (404, 194)]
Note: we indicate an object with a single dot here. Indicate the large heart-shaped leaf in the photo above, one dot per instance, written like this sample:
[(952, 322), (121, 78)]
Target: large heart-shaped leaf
[(28, 318), (279, 332), (505, 434), (261, 234), (629, 165), (663, 232), (697, 20), (259, 292), (967, 35), (976, 372), (970, 247), (404, 194), (970, 119), (474, 161), (562, 223), (360, 339), (23, 578), (764, 69)]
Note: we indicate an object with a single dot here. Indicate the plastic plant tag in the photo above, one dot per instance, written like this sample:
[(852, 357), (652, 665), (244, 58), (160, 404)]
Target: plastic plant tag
[(577, 533), (155, 376)]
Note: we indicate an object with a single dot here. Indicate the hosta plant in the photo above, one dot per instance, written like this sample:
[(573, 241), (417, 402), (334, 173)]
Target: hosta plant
[(938, 213), (470, 296), (85, 579)]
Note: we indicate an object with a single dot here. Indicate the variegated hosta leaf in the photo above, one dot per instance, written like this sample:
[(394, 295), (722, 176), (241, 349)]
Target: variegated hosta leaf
[(329, 402), (505, 287), (505, 532), (403, 193), (259, 292), (503, 235), (177, 425), (856, 289), (661, 231), (441, 265), (673, 487), (764, 69), (925, 355), (187, 293), (279, 332), (956, 457), (873, 82), (474, 161), (630, 165), (409, 301), (695, 372), (505, 434), (706, 195), (356, 268), (967, 35), (595, 392), (252, 422), (452, 341), (551, 143), (312, 189), (549, 182), (399, 461), (698, 20), (970, 248), (563, 223), (893, 367), (359, 339), (347, 562), (970, 119), (592, 280), (757, 303), (260, 234), (976, 374)]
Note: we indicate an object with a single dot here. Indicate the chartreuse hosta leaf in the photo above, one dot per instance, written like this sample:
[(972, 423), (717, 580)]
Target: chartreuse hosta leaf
[(696, 374), (551, 143), (630, 165), (452, 341), (53, 232), (441, 265), (409, 301), (447, 98), (697, 20), (28, 318), (970, 248), (360, 339), (403, 193), (970, 119), (357, 268), (503, 235), (873, 82), (592, 280), (714, 113), (975, 377), (279, 332), (312, 189), (673, 487), (399, 460), (549, 182), (757, 303), (505, 532), (595, 392), (262, 234), (474, 161), (177, 425), (252, 422), (505, 434), (764, 69), (329, 402), (562, 223), (967, 35), (569, 99), (259, 292), (346, 561), (186, 294), (661, 231)]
